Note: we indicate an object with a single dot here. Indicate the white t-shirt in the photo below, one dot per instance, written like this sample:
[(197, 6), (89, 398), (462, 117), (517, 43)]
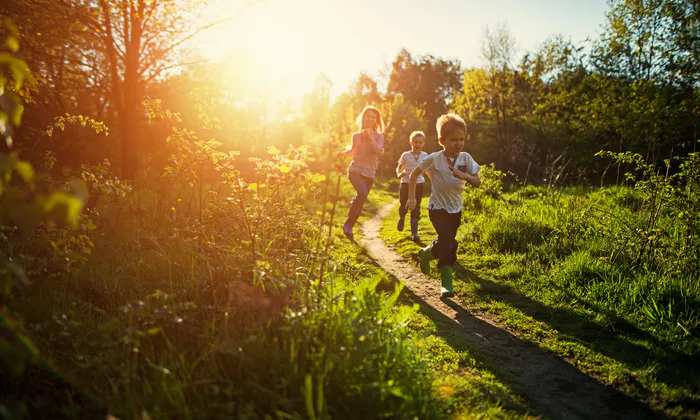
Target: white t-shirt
[(446, 190), (409, 162)]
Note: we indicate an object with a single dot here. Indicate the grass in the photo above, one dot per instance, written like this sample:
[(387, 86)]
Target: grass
[(540, 267), (172, 327), (464, 387)]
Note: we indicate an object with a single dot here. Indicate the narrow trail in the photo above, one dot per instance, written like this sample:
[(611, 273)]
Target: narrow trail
[(552, 386)]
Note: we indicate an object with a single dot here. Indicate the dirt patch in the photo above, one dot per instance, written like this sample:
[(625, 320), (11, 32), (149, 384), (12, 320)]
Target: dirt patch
[(553, 386)]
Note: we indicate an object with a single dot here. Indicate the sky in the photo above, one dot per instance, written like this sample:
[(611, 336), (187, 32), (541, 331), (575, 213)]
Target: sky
[(287, 43)]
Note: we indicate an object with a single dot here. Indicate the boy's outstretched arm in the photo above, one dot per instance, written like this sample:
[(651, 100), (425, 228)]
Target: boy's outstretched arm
[(413, 180), (399, 170), (474, 180)]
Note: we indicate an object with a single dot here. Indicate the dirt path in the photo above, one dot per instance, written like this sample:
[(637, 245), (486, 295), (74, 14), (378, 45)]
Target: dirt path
[(553, 387)]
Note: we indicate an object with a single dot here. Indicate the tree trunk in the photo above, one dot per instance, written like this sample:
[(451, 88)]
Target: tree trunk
[(130, 119)]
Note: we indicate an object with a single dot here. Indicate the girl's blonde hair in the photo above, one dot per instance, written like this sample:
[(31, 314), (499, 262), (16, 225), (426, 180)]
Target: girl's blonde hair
[(380, 122)]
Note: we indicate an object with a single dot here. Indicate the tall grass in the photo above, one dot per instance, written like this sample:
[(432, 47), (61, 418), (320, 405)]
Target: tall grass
[(197, 294), (626, 250)]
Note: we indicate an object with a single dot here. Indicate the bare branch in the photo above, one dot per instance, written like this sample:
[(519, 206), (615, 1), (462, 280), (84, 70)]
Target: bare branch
[(172, 66), (208, 26)]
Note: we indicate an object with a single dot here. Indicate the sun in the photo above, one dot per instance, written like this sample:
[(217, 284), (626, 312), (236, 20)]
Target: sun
[(274, 47)]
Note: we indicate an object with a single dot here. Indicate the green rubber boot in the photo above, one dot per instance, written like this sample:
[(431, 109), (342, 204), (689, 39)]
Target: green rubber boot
[(446, 281), (425, 255)]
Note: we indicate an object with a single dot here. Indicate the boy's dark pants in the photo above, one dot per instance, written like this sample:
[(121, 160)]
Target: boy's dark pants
[(403, 197), (444, 247)]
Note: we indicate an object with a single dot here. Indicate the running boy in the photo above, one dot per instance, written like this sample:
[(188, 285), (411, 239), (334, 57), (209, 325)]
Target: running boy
[(407, 163), (451, 169)]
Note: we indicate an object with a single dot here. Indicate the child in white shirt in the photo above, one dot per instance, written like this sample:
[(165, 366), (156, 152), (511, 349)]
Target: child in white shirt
[(450, 170), (407, 163)]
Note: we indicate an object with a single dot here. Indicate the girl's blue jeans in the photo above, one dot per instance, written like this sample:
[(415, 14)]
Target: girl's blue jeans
[(362, 186)]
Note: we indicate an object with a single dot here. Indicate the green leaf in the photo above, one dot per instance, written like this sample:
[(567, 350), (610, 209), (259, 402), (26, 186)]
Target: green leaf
[(11, 28), (12, 44), (25, 170), (16, 117), (308, 397), (154, 331), (63, 206)]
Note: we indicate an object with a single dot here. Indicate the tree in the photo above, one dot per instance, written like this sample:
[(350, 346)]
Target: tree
[(558, 116), (140, 39), (426, 82), (316, 105), (66, 81), (121, 47), (648, 49), (684, 26), (405, 118), (650, 40), (489, 98)]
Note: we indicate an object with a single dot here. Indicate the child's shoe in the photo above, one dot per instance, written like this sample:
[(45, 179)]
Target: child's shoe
[(424, 256), (446, 281), (347, 231), (399, 226), (414, 231)]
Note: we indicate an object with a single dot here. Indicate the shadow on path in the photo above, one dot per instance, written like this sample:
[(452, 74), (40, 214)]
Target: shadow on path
[(553, 387)]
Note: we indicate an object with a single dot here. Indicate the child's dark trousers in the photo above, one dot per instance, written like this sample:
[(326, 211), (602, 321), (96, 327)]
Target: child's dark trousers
[(403, 197), (444, 247)]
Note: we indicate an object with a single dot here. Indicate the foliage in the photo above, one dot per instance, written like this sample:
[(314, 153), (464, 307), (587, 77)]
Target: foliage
[(25, 208), (426, 82), (23, 204), (669, 230), (647, 41), (15, 81), (629, 93), (61, 121), (193, 291), (405, 118), (631, 251), (561, 268)]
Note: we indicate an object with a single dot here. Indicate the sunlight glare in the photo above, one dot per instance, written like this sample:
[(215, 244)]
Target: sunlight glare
[(275, 47)]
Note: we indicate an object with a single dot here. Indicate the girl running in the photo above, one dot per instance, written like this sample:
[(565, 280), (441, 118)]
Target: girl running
[(367, 145)]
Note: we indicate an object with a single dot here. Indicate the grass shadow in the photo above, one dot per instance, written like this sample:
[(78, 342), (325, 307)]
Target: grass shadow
[(673, 367)]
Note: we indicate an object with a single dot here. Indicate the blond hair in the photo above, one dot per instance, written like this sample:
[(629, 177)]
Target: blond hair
[(414, 134), (380, 122), (448, 122)]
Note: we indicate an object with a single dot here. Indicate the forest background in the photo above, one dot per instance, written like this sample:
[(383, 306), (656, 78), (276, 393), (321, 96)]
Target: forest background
[(150, 162)]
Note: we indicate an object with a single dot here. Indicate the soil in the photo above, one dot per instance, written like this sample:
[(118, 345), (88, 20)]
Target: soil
[(553, 387)]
